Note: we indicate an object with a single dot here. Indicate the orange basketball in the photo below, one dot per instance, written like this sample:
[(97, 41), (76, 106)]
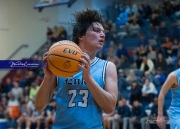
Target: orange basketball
[(63, 58)]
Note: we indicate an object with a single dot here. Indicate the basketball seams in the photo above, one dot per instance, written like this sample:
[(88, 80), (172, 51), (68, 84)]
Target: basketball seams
[(67, 41), (63, 57), (70, 44), (61, 69)]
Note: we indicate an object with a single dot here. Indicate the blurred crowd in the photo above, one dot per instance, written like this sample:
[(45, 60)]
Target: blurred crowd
[(144, 62), (142, 69), (19, 87)]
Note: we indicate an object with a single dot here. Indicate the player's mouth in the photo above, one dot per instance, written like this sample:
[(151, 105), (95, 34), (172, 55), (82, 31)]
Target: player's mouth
[(101, 41)]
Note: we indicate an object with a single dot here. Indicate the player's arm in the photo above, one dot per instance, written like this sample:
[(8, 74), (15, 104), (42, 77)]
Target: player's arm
[(111, 86), (47, 88), (171, 81), (45, 92)]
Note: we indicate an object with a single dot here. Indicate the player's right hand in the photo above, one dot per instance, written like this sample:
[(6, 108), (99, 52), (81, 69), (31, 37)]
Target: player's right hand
[(160, 121), (85, 65), (46, 70)]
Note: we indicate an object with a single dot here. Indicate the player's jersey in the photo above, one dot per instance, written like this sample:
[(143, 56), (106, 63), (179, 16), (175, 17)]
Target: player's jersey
[(174, 110), (76, 108)]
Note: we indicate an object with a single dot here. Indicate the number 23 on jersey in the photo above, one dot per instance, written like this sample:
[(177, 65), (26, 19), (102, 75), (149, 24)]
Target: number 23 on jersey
[(74, 93)]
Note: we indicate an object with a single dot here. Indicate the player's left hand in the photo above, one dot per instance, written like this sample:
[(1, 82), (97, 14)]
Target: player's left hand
[(160, 121), (85, 65)]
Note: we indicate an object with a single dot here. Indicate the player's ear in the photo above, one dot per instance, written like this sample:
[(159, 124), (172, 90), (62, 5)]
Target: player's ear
[(81, 37)]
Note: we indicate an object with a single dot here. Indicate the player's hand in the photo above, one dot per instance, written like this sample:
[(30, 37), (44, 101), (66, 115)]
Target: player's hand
[(160, 121), (46, 70), (85, 65)]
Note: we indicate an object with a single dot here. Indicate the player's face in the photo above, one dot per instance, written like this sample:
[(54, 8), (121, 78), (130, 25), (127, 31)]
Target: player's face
[(94, 37)]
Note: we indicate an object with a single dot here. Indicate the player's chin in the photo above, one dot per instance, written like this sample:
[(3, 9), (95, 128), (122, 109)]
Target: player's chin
[(98, 48)]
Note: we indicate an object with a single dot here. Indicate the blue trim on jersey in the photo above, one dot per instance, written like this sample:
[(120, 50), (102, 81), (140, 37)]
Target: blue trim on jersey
[(95, 61), (104, 71)]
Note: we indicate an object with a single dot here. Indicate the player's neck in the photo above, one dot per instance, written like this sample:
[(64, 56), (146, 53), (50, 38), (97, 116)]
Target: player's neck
[(91, 54), (92, 60), (89, 51)]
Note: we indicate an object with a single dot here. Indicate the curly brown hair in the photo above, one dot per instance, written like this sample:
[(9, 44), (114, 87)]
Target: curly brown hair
[(83, 20)]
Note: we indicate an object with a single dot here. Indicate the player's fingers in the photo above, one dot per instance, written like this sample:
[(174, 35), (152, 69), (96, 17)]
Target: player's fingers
[(84, 62), (86, 57), (45, 57), (44, 61), (45, 54), (160, 123), (45, 65), (82, 66)]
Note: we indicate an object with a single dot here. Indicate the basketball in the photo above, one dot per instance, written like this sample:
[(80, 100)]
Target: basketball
[(63, 58)]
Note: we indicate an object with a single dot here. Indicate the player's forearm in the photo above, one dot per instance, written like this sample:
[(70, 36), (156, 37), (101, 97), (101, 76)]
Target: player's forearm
[(44, 93), (160, 103), (105, 100)]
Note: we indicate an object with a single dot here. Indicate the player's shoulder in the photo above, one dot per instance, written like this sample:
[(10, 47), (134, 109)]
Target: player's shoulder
[(111, 67), (172, 75), (172, 78), (109, 63), (175, 72)]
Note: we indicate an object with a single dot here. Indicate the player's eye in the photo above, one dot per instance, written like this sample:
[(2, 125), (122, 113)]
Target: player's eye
[(97, 30)]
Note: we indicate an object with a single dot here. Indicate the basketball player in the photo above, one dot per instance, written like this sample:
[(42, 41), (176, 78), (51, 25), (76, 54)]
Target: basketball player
[(172, 82), (82, 98)]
